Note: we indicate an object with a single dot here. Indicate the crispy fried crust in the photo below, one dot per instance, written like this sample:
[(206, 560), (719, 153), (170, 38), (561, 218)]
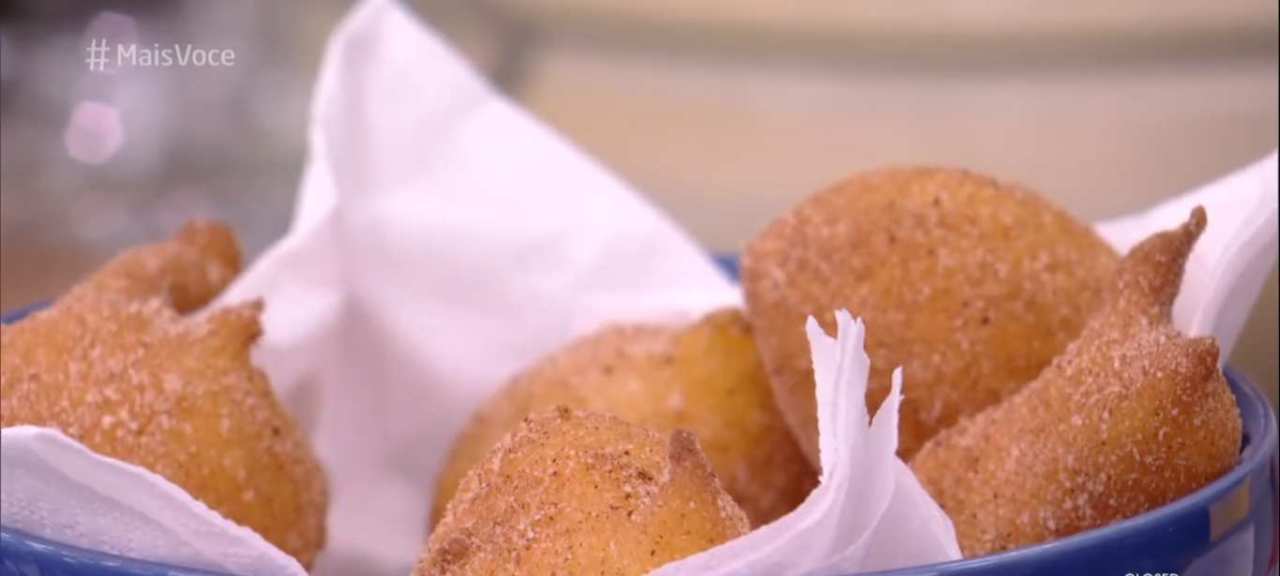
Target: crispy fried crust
[(705, 378), (113, 365), (185, 272), (971, 285), (573, 492), (1131, 416)]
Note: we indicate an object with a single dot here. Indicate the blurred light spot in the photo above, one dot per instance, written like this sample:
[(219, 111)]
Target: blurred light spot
[(113, 26), (94, 133)]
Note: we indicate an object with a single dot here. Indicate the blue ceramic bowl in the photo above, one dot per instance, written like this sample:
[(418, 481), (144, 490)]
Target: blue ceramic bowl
[(1227, 528)]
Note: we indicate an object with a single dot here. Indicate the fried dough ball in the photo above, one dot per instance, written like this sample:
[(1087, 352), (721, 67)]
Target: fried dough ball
[(114, 365), (705, 378), (1131, 416), (573, 492), (970, 284)]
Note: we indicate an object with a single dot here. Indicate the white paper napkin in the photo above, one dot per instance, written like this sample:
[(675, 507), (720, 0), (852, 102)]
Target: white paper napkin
[(55, 487), (868, 512), (1230, 262), (444, 239)]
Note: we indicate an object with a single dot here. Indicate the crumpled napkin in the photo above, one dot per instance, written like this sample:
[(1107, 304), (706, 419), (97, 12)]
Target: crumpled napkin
[(443, 239), (55, 487), (868, 512)]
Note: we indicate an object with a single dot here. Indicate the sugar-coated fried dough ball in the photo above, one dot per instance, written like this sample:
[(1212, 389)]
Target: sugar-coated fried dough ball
[(1131, 416), (573, 492), (705, 378), (186, 272), (113, 365), (970, 284)]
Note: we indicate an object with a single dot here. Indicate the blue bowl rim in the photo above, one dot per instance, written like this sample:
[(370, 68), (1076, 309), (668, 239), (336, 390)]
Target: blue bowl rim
[(89, 557), (1255, 455)]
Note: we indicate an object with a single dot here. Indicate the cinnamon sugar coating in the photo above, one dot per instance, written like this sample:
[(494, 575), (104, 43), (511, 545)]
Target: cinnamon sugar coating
[(115, 365), (572, 492), (970, 284), (705, 377), (1131, 416)]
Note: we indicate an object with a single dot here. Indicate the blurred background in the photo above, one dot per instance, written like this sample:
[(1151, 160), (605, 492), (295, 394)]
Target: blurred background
[(725, 112)]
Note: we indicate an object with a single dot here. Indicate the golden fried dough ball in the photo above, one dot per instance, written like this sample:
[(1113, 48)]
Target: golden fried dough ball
[(113, 365), (971, 285), (186, 272), (705, 378), (1131, 416), (573, 492)]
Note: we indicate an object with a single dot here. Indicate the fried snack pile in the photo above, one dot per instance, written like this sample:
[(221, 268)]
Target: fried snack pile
[(705, 378), (116, 366), (1131, 416), (574, 492), (971, 285)]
